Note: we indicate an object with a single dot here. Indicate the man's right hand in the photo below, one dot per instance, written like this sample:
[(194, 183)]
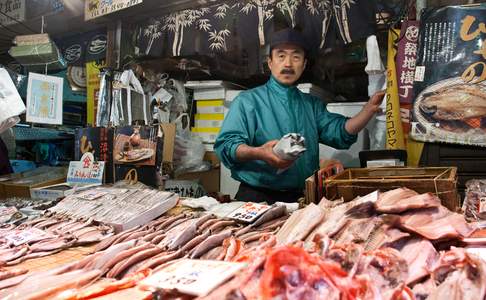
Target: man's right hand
[(264, 153), (268, 156)]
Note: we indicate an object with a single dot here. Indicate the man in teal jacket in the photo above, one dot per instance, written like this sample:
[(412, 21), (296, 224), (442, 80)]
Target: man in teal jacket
[(259, 117)]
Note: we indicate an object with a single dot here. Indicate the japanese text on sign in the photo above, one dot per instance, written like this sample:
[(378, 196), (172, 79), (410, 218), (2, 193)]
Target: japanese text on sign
[(20, 237), (97, 8), (469, 31), (15, 9), (86, 171), (194, 277), (249, 212)]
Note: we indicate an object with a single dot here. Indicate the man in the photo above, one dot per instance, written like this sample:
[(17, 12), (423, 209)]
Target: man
[(258, 118)]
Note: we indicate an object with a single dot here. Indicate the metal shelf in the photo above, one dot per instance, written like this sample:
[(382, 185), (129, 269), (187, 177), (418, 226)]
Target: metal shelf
[(38, 133)]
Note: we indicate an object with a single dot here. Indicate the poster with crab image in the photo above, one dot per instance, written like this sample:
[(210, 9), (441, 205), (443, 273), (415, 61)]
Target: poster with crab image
[(450, 76)]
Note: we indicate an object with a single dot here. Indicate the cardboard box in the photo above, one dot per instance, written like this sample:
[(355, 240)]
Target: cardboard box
[(32, 39), (208, 179), (212, 158), (21, 187), (57, 191), (6, 179), (38, 57), (441, 181)]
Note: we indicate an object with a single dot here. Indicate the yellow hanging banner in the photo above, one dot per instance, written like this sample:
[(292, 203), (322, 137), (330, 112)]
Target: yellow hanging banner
[(93, 86), (394, 129)]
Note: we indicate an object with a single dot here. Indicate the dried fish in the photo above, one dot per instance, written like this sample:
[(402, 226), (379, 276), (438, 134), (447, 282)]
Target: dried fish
[(210, 242)]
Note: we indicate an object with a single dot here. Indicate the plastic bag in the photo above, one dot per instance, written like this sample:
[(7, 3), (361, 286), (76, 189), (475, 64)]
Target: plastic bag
[(179, 102), (11, 104), (102, 117), (474, 205), (188, 149), (18, 79), (130, 181), (290, 147)]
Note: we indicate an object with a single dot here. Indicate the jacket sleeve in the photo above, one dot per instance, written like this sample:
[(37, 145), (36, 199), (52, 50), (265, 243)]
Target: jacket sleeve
[(331, 128), (234, 132)]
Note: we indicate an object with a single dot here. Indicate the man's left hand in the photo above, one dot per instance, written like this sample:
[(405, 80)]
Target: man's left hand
[(373, 105)]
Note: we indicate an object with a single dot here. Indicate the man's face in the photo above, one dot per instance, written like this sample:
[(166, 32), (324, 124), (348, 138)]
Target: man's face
[(287, 63)]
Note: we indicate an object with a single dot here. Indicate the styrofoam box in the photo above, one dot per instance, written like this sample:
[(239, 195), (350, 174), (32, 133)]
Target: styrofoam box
[(208, 120), (349, 158), (208, 123), (207, 135), (209, 106)]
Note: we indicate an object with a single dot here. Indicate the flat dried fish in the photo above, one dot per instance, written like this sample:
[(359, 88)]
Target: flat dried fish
[(456, 102), (403, 199), (300, 224)]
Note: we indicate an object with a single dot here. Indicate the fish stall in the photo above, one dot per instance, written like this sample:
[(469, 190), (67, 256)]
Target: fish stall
[(398, 244)]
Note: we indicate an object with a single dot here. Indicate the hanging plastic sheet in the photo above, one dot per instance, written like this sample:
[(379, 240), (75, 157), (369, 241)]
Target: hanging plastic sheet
[(102, 115), (11, 104)]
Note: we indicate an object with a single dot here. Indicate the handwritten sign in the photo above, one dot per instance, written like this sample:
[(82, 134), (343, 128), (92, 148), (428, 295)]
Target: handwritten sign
[(97, 8), (20, 237), (86, 171), (193, 277), (249, 212)]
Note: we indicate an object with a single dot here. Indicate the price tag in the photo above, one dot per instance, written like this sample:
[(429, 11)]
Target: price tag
[(92, 195), (419, 73), (482, 205), (193, 277), (20, 237), (249, 212)]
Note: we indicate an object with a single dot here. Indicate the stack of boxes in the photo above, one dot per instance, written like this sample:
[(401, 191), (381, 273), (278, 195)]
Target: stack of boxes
[(37, 52), (210, 98)]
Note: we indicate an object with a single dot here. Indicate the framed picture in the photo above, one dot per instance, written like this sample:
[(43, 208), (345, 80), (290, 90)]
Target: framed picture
[(44, 99)]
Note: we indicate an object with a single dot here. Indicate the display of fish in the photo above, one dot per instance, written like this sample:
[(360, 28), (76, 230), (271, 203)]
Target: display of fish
[(456, 102), (366, 248)]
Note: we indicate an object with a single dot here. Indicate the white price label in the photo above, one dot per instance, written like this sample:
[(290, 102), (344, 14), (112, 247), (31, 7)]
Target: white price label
[(249, 212), (193, 277), (20, 237), (419, 73), (92, 195), (482, 204)]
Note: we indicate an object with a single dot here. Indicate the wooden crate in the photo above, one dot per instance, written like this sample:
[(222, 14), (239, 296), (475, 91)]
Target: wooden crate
[(358, 182), (21, 187)]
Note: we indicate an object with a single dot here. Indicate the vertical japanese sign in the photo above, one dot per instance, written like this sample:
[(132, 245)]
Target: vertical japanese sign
[(15, 9), (394, 131), (406, 62), (450, 77), (92, 89)]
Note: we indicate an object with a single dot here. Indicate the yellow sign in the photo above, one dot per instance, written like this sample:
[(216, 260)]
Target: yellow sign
[(97, 8), (92, 89), (394, 129)]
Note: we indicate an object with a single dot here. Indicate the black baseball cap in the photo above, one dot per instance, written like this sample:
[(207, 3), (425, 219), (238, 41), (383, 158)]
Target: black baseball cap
[(288, 36)]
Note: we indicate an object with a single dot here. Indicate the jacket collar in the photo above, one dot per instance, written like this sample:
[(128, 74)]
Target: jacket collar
[(280, 89)]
